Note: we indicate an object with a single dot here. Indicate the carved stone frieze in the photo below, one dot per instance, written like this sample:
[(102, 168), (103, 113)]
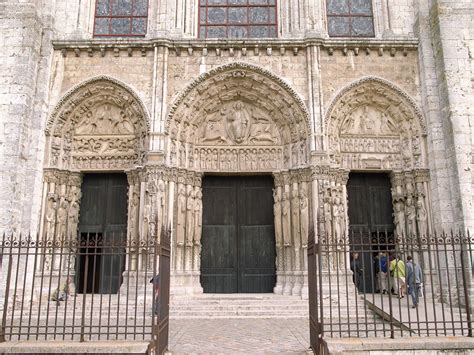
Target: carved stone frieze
[(375, 126), (100, 124)]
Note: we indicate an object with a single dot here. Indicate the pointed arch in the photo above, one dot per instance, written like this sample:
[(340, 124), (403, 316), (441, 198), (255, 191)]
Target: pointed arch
[(100, 123), (385, 87), (373, 124), (238, 112)]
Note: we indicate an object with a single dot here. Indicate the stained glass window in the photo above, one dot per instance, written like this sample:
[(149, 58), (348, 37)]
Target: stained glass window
[(350, 18), (120, 18), (237, 18)]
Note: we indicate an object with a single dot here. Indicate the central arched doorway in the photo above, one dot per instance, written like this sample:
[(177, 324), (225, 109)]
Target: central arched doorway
[(243, 121), (238, 235)]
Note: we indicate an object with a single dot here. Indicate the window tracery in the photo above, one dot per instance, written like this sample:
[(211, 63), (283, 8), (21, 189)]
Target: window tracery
[(237, 18), (120, 18), (350, 18)]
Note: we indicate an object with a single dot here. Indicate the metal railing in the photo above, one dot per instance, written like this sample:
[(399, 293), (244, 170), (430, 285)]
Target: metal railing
[(353, 292), (98, 287)]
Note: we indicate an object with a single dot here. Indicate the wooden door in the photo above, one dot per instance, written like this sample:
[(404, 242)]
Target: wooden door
[(238, 253), (103, 216), (370, 220)]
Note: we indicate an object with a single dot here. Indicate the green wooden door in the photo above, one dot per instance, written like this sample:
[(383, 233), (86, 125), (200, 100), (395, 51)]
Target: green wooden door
[(103, 216), (238, 253)]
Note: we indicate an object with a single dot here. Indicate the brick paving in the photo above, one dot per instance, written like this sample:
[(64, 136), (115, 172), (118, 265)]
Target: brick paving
[(239, 336)]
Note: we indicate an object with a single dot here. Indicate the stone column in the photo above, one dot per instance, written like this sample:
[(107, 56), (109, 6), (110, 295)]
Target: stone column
[(188, 227), (277, 212), (133, 178), (59, 223)]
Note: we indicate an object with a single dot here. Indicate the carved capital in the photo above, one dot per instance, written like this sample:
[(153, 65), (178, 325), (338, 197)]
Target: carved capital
[(421, 175)]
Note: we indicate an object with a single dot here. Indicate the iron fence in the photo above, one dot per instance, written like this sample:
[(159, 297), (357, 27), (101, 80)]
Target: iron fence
[(102, 286), (365, 286)]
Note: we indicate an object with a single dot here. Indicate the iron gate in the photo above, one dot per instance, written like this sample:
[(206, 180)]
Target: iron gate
[(42, 299), (354, 294)]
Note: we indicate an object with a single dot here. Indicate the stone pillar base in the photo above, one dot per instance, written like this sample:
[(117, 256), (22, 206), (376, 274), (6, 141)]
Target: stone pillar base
[(185, 283)]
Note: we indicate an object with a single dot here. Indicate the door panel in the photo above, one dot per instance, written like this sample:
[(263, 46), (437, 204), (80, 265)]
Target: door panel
[(238, 253), (103, 215), (370, 215)]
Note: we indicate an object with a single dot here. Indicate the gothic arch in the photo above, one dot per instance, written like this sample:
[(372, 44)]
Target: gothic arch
[(373, 124), (238, 113), (99, 124)]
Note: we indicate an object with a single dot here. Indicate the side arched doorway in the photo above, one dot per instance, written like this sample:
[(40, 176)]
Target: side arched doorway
[(96, 141), (242, 121)]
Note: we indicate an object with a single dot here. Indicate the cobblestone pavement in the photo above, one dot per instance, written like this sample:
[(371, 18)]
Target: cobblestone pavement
[(239, 336)]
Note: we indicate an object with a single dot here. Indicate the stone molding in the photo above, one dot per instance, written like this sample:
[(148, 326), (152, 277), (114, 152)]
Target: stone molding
[(372, 124), (99, 124), (84, 84), (383, 82), (238, 65)]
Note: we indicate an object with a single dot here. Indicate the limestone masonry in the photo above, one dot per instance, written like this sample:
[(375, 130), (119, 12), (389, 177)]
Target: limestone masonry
[(167, 104)]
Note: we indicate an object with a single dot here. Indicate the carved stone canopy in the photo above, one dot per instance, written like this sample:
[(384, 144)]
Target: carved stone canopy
[(374, 125), (240, 107), (100, 124)]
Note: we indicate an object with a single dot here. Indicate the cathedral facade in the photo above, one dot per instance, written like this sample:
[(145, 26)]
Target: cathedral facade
[(240, 124)]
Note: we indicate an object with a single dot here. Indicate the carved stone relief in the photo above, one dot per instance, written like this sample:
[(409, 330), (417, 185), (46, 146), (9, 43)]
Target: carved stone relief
[(409, 196), (98, 125), (372, 125), (245, 122)]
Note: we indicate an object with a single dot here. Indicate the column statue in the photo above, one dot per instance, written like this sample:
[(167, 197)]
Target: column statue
[(61, 219), (422, 217), (277, 214), (410, 210), (50, 217), (399, 218), (328, 217), (181, 216), (134, 213), (295, 216), (190, 216), (285, 210), (198, 216), (160, 206), (304, 211)]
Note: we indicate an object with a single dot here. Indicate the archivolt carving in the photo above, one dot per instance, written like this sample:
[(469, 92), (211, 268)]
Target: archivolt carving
[(374, 125), (244, 108), (98, 124)]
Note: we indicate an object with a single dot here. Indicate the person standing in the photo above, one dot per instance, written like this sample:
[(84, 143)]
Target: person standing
[(381, 269), (397, 266), (356, 270), (155, 280), (414, 280)]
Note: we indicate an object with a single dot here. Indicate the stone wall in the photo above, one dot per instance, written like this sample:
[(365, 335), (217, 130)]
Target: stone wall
[(25, 40), (436, 73)]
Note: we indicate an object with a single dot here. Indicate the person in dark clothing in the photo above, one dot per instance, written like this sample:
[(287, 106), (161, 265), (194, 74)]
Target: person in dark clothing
[(155, 280), (414, 280), (356, 270), (381, 269)]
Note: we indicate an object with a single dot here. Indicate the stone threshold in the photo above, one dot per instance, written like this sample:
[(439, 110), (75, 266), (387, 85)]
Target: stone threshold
[(68, 347), (444, 344)]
